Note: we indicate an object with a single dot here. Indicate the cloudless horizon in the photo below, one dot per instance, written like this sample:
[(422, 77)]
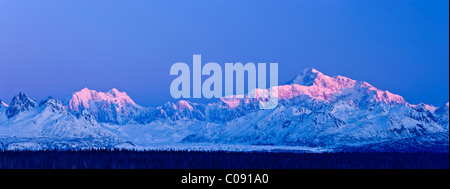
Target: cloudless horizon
[(55, 48)]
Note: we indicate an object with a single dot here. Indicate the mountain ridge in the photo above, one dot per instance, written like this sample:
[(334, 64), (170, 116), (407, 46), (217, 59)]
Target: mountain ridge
[(315, 110)]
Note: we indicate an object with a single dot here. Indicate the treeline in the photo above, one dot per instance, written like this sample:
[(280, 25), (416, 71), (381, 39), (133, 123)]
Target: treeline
[(129, 159)]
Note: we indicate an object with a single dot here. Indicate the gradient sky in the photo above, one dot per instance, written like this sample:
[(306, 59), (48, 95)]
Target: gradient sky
[(59, 47)]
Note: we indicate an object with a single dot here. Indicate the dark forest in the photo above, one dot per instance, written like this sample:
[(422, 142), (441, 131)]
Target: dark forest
[(129, 159)]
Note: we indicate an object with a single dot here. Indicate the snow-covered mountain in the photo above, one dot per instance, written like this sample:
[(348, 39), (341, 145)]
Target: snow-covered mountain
[(118, 108), (314, 111), (113, 106), (20, 103), (442, 114), (30, 125)]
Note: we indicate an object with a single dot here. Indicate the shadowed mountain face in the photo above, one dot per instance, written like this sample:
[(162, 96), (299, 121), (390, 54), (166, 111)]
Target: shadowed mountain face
[(20, 103), (314, 111)]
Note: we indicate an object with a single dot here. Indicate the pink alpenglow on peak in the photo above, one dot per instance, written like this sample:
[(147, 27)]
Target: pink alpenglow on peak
[(315, 85), (182, 105), (312, 77), (322, 87), (86, 98), (3, 104)]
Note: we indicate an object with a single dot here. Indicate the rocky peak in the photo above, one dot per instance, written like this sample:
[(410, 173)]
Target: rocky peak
[(52, 104), (20, 103)]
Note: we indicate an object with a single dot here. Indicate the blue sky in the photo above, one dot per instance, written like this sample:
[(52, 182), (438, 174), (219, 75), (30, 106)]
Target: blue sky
[(59, 47)]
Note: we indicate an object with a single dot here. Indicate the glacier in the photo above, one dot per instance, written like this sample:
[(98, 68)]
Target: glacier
[(315, 113)]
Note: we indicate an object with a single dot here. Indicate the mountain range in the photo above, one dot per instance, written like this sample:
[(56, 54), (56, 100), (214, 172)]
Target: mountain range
[(316, 112)]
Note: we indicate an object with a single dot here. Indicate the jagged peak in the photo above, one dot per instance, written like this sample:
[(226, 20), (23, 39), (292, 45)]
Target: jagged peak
[(52, 104), (49, 100), (22, 98), (424, 106), (21, 102)]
